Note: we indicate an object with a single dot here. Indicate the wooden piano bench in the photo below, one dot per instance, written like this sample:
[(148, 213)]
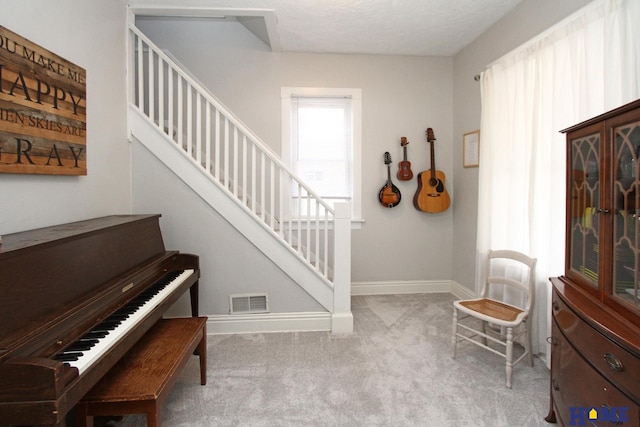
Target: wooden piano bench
[(140, 382)]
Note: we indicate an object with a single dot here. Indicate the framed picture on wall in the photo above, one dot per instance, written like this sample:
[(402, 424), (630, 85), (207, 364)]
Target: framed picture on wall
[(471, 149), (43, 110)]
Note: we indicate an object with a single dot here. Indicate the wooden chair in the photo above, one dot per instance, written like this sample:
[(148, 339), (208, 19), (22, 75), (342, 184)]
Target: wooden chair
[(503, 273)]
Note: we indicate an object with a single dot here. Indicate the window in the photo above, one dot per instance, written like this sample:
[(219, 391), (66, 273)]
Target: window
[(321, 130)]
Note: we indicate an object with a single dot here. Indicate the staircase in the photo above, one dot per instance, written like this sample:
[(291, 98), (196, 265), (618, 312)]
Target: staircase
[(240, 177)]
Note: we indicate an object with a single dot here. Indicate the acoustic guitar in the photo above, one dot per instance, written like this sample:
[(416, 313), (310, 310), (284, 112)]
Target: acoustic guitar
[(431, 195), (404, 167), (389, 195)]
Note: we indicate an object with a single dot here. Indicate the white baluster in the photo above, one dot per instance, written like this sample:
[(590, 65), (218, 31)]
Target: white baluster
[(207, 138), (245, 167), (140, 75), (226, 152), (189, 121), (272, 194), (180, 112), (170, 104), (235, 161), (151, 92), (216, 159)]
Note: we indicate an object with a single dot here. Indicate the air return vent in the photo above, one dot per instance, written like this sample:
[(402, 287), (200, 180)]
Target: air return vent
[(248, 303)]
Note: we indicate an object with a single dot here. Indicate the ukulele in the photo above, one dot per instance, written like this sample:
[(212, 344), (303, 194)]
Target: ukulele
[(404, 167), (431, 195), (389, 195)]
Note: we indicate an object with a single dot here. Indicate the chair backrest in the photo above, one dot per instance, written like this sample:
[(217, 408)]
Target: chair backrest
[(510, 277)]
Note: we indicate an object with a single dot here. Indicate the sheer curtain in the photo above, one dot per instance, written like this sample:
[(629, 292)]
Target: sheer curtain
[(584, 66)]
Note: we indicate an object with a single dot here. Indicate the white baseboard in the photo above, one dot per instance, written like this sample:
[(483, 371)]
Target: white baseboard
[(462, 292), (342, 323), (268, 322), (323, 321), (409, 287)]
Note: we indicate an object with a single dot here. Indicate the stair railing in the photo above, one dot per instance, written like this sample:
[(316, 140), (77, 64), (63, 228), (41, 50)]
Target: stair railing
[(240, 162)]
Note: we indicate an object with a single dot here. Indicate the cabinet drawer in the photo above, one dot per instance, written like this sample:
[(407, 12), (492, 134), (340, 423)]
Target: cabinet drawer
[(615, 363), (577, 388)]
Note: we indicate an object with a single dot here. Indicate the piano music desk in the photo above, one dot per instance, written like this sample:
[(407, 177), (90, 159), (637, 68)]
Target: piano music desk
[(142, 379)]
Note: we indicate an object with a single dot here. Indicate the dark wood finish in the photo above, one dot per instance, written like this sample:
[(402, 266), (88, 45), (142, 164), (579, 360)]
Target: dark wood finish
[(389, 195), (583, 333), (56, 284), (603, 271), (595, 342), (592, 387), (141, 381), (404, 167)]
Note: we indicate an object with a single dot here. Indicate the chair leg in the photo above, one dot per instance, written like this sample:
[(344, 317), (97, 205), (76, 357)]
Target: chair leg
[(454, 338), (528, 341), (483, 339), (509, 356)]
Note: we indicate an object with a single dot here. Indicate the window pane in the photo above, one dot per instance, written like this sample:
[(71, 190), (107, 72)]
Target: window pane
[(321, 133), (322, 145)]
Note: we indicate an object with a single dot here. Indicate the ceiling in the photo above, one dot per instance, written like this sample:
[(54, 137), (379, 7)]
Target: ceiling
[(386, 27)]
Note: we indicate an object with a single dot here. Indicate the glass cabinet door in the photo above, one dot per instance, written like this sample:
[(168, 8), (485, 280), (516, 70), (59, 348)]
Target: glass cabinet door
[(626, 230), (584, 193)]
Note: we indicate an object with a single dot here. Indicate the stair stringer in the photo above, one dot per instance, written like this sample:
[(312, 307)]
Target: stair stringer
[(230, 208)]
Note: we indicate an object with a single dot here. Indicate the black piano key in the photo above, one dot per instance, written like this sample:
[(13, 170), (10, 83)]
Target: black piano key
[(68, 357), (102, 329), (81, 345), (110, 323), (127, 311), (94, 334)]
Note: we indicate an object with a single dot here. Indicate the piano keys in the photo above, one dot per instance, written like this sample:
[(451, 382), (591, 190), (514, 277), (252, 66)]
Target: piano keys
[(83, 353), (75, 298)]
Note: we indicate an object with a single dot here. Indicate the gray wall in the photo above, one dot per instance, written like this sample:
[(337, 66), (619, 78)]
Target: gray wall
[(229, 264), (527, 20), (401, 96), (92, 36)]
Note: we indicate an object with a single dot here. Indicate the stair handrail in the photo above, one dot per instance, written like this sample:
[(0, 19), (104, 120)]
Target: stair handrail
[(237, 123)]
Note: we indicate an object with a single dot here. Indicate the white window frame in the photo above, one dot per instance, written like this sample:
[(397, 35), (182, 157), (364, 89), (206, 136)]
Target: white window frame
[(355, 94)]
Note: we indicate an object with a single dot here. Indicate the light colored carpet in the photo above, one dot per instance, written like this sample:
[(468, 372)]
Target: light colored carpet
[(394, 370)]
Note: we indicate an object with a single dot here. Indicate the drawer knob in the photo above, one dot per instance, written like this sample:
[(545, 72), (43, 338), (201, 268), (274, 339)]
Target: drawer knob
[(613, 362), (555, 385), (555, 306), (552, 341)]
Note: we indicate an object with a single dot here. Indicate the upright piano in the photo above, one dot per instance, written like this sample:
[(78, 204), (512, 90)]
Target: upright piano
[(74, 299)]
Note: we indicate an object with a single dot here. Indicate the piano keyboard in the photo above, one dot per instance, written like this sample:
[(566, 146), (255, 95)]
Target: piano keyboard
[(85, 351)]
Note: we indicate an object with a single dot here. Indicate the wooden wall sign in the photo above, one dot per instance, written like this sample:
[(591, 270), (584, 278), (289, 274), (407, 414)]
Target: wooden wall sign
[(43, 113)]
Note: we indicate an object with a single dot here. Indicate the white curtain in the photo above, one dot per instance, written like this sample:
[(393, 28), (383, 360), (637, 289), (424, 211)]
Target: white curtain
[(584, 66)]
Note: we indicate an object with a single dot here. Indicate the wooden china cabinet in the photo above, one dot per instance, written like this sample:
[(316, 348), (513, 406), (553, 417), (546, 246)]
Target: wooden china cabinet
[(595, 342)]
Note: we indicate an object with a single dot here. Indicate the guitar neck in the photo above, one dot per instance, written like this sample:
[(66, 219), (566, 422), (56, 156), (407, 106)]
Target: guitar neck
[(405, 152), (433, 161), (389, 175)]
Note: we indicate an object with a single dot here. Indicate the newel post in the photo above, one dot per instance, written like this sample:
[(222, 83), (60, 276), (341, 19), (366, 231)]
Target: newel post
[(342, 319)]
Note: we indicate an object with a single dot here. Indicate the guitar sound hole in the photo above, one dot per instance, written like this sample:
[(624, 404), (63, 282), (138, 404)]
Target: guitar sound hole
[(437, 184)]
